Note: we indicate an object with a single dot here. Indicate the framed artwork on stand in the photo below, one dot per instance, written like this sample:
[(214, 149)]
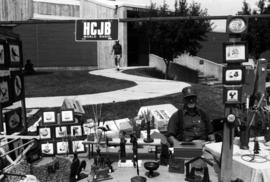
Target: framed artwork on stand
[(232, 94), (15, 53), (49, 117), (76, 130), (3, 54), (233, 75), (47, 148), (61, 131), (13, 120), (67, 116), (45, 132), (77, 146), (5, 91), (235, 52), (62, 147), (17, 85)]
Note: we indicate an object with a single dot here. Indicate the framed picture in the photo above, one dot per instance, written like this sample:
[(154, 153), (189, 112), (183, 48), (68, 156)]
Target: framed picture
[(5, 91), (235, 52), (88, 128), (47, 148), (45, 132), (78, 146), (76, 130), (15, 53), (17, 85), (13, 120), (232, 94), (67, 116), (62, 147), (233, 75), (3, 54), (49, 117), (61, 131)]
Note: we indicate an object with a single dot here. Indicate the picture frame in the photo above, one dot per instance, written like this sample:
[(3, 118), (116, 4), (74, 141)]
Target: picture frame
[(88, 128), (62, 147), (15, 53), (61, 131), (45, 132), (13, 120), (76, 130), (235, 52), (232, 94), (233, 75), (17, 85), (3, 54), (47, 148), (5, 91), (49, 118), (77, 146), (67, 116)]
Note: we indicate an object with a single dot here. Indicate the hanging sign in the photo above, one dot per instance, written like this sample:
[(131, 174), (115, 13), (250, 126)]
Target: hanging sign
[(93, 30)]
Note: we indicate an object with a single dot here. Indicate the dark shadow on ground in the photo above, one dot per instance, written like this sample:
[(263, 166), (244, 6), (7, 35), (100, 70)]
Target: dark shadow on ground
[(146, 72), (37, 73), (66, 83)]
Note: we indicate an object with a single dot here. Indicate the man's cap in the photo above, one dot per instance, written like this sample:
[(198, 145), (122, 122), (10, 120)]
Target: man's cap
[(188, 92)]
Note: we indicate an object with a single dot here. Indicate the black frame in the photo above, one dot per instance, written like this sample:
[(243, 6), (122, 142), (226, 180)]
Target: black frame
[(17, 44), (10, 129), (84, 130), (4, 51), (17, 75), (69, 121), (71, 130), (81, 144), (58, 143), (229, 19), (231, 44), (7, 102), (237, 88), (233, 82), (52, 143), (56, 131), (51, 122), (50, 134)]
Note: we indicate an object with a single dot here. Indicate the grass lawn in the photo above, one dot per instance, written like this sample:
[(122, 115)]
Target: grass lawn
[(209, 98), (64, 83)]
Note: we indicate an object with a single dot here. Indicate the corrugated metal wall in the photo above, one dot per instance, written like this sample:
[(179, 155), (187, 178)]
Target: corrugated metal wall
[(53, 45), (11, 10), (45, 8)]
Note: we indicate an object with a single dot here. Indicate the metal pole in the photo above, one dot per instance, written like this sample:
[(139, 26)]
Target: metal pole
[(173, 18)]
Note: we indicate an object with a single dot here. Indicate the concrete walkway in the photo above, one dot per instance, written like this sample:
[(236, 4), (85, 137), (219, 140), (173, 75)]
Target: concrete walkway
[(145, 88)]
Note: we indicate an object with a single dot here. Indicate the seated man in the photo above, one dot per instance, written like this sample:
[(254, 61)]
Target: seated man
[(189, 123)]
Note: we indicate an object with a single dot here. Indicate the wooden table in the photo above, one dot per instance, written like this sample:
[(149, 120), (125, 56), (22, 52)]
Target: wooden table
[(116, 142)]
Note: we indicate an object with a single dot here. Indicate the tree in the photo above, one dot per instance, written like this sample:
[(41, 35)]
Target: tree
[(169, 39), (257, 36)]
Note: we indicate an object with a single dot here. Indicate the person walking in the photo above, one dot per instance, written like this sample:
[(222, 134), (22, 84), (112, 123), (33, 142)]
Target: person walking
[(117, 51)]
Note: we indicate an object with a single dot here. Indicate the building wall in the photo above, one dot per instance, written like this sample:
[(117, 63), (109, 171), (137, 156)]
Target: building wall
[(53, 45), (91, 10), (45, 8), (16, 10)]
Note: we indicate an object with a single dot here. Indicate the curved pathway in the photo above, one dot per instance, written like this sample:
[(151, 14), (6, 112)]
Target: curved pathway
[(145, 88)]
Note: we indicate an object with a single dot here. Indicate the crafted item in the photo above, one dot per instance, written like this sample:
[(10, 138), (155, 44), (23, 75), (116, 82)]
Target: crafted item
[(100, 169), (123, 149), (148, 139)]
